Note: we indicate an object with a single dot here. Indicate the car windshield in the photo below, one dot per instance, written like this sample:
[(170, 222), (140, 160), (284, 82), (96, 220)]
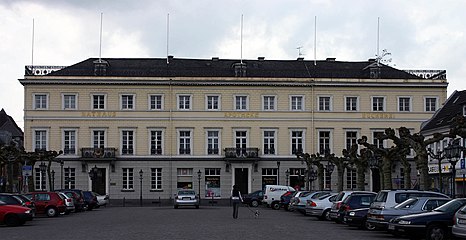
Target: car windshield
[(407, 204), (451, 206), (340, 196), (381, 197), (186, 192)]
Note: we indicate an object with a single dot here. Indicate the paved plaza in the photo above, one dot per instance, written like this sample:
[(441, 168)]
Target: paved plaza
[(208, 222)]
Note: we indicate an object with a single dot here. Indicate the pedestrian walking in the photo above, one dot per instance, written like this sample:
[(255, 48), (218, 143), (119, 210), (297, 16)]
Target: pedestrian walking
[(236, 199)]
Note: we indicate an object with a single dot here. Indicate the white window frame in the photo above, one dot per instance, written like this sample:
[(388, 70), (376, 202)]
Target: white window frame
[(436, 103), (330, 103), (156, 179), (162, 145), (64, 102), (303, 139), (178, 139), (178, 102), (129, 172), (127, 106), (300, 107), (373, 131), (133, 140), (330, 141), (346, 136), (40, 107), (34, 131), (92, 101), (274, 141), (346, 103), (246, 104), (219, 101), (219, 143), (76, 134), (93, 135), (272, 107), (410, 104), (384, 108), (149, 103)]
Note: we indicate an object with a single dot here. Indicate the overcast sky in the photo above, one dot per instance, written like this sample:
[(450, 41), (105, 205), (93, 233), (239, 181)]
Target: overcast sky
[(418, 34)]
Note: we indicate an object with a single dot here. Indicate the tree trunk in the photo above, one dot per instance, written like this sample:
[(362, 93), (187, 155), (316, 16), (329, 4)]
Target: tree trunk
[(387, 173), (423, 168), (361, 178), (407, 176), (320, 176), (341, 173)]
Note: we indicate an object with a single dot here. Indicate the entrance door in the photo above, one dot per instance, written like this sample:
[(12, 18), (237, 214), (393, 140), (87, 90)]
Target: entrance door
[(99, 183), (242, 180)]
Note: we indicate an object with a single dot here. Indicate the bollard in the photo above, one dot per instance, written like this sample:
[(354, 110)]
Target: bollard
[(212, 200), (160, 203), (124, 201)]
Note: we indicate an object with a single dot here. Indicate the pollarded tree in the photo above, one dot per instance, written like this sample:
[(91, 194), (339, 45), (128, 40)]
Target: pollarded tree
[(359, 162)]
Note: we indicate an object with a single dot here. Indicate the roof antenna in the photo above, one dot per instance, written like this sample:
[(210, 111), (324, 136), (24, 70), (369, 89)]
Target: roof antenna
[(100, 45), (315, 40), (32, 50), (378, 40), (168, 32), (299, 51), (241, 39)]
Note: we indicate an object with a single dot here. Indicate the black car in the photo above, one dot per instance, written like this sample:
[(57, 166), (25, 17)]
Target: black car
[(90, 199), (436, 224), (254, 199), (285, 199), (355, 201), (358, 218)]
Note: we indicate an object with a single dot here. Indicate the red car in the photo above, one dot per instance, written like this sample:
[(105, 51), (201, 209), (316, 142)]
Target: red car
[(14, 215), (50, 203)]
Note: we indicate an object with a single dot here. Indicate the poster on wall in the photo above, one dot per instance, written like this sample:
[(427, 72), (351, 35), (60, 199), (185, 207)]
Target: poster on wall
[(212, 188), (269, 180), (184, 185)]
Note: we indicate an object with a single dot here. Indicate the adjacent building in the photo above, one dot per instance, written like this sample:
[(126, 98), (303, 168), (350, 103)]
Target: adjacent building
[(150, 126)]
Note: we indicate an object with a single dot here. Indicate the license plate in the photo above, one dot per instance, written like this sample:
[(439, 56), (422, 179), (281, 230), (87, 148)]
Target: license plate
[(461, 221), (186, 198), (391, 227)]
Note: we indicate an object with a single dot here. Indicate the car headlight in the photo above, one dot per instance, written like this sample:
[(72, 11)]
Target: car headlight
[(404, 222), (352, 214), (28, 211)]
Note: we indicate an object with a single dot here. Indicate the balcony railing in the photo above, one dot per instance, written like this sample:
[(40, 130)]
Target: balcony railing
[(104, 153), (241, 152)]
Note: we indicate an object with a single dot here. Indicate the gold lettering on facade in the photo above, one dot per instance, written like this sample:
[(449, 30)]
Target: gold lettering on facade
[(241, 115), (378, 115), (98, 114)]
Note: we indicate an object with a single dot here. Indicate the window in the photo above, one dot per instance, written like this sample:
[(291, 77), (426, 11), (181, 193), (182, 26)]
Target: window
[(127, 179), (70, 178), (213, 142), (98, 102), (404, 104), (69, 142), (40, 140), (327, 180), (184, 178), (156, 102), (269, 142), (351, 179), (40, 179), (431, 104), (378, 104), (156, 142), (241, 102), (184, 138), (40, 101), (351, 103), (296, 103), (324, 103), (212, 182), (98, 138), (127, 102), (324, 141), (156, 179), (269, 176), (351, 139), (213, 102), (378, 143), (127, 142), (184, 102), (69, 102), (297, 141), (241, 142), (268, 103)]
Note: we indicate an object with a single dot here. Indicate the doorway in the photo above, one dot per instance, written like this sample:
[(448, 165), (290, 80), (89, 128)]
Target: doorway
[(99, 183), (242, 179)]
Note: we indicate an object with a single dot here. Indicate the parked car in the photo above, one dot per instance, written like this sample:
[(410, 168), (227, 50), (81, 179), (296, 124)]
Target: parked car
[(358, 218), (410, 206), (272, 194), (78, 198), (285, 200), (102, 200), (390, 198), (301, 201), (355, 201), (435, 224), (320, 207), (68, 203), (14, 215), (254, 199), (459, 223), (338, 201), (18, 199), (90, 199), (186, 197), (49, 203)]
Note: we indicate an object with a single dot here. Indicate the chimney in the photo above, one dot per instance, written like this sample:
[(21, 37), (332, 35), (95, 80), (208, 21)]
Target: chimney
[(261, 59), (300, 59), (169, 58), (331, 59), (215, 59)]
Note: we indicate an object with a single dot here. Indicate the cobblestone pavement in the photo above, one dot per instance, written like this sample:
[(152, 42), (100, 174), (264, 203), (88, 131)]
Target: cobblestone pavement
[(208, 222)]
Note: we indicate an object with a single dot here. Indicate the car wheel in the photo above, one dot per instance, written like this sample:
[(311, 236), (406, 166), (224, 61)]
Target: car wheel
[(12, 221), (436, 232), (254, 203), (51, 212), (175, 207), (275, 205), (368, 226), (327, 215), (197, 206)]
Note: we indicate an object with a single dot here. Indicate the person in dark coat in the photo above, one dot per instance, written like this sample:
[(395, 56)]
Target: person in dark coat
[(236, 199)]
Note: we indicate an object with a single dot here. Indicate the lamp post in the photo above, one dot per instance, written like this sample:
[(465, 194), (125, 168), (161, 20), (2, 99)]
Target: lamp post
[(42, 169), (52, 187), (329, 168), (287, 175), (278, 172), (199, 173), (140, 186), (453, 153), (439, 156), (312, 177), (61, 173)]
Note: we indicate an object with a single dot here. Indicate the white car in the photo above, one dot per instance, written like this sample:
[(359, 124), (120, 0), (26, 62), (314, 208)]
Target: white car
[(102, 200), (186, 197), (320, 207)]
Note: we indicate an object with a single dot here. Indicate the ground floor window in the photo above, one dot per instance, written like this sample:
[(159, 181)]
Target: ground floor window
[(297, 178), (184, 178), (269, 176), (156, 179), (212, 182), (70, 178), (40, 180), (127, 179)]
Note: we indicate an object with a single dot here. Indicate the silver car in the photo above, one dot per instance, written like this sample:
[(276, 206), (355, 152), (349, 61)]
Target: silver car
[(320, 207), (186, 197), (459, 226)]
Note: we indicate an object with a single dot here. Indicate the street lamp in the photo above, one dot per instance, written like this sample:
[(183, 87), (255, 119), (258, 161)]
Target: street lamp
[(329, 168), (140, 186), (439, 156), (199, 173), (278, 172), (42, 169), (287, 174), (52, 188), (453, 153), (61, 175)]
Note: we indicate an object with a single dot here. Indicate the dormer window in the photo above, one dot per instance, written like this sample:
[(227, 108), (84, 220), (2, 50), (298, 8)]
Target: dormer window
[(240, 69)]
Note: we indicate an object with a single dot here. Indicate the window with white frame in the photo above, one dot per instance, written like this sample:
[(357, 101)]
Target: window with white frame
[(69, 102), (40, 140), (127, 102), (241, 141), (351, 104), (376, 141), (184, 102), (127, 142), (40, 180), (324, 141), (241, 103), (156, 102), (212, 182), (351, 179), (351, 139), (296, 103), (268, 103), (156, 140), (297, 141), (98, 138), (184, 139), (378, 104), (213, 142), (156, 178), (69, 142), (404, 104), (128, 178), (269, 142), (325, 103), (213, 102), (430, 104), (98, 102), (70, 178), (269, 176), (40, 101)]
